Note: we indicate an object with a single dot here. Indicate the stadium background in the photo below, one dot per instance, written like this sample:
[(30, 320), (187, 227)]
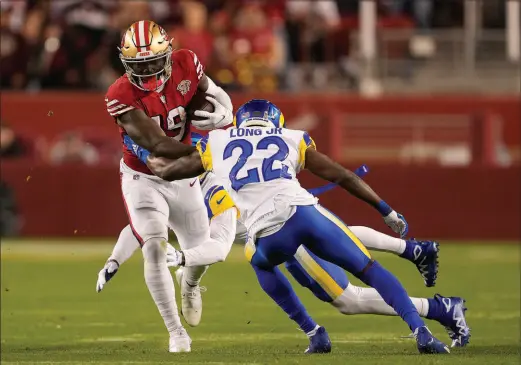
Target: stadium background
[(425, 92)]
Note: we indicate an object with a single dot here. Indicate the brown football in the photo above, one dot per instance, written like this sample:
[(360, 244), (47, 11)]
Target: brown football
[(198, 102)]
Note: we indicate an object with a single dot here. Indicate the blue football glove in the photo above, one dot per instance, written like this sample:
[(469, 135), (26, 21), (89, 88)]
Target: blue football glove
[(139, 151)]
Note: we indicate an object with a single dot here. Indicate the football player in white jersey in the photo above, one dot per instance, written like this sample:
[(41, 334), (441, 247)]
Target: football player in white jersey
[(326, 281), (259, 161)]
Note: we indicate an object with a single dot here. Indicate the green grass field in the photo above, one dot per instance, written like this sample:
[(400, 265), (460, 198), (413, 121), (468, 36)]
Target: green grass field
[(51, 313)]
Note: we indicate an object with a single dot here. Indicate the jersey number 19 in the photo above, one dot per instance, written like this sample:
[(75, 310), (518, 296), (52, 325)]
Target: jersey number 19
[(174, 125)]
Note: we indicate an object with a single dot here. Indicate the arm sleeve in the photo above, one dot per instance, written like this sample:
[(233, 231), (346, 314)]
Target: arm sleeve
[(305, 143), (139, 151), (223, 215), (224, 227), (222, 235)]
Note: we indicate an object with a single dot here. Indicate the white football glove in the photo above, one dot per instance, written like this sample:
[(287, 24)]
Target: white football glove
[(220, 118), (397, 223), (109, 270), (174, 258)]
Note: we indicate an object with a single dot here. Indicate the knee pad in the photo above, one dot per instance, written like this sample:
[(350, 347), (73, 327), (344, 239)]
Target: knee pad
[(154, 251), (154, 228)]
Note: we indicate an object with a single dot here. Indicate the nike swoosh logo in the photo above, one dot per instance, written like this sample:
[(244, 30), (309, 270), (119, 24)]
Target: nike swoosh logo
[(221, 200), (193, 183)]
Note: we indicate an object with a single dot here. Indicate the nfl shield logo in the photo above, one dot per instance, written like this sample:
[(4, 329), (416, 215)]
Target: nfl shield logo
[(183, 87)]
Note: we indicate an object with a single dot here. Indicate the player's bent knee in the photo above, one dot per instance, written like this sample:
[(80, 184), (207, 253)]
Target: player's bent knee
[(152, 227), (349, 301), (155, 229), (154, 251)]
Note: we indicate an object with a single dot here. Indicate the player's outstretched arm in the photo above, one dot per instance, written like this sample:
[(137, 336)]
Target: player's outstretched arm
[(182, 168), (322, 166), (146, 133)]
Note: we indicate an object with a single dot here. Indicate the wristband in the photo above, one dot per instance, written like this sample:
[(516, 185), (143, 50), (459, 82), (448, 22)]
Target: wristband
[(112, 260), (384, 208), (143, 154)]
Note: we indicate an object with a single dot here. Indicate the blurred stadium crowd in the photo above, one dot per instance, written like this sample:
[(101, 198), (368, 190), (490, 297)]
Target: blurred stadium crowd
[(245, 44)]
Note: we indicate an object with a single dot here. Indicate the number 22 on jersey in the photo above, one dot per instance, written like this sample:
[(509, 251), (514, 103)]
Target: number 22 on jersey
[(267, 171)]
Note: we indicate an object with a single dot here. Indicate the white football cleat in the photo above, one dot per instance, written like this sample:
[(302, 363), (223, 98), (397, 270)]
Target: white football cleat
[(191, 301), (179, 341)]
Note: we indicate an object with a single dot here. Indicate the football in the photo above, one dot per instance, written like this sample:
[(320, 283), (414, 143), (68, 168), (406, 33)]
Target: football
[(198, 102)]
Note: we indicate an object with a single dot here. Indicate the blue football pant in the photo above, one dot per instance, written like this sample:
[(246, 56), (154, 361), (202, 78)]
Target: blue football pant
[(321, 232), (330, 239)]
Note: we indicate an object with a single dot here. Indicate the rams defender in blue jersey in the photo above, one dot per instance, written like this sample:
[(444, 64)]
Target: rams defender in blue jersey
[(260, 160)]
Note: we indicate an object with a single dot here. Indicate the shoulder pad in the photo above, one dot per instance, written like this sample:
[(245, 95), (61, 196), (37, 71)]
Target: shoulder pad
[(189, 63)]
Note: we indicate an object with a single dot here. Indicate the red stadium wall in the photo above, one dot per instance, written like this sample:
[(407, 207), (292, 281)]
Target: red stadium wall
[(470, 203), (459, 203)]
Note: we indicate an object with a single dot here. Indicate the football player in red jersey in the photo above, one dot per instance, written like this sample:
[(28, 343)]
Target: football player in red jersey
[(148, 103)]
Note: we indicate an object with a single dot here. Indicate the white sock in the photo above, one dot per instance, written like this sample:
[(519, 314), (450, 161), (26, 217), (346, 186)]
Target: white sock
[(313, 332), (160, 283), (125, 247), (358, 300), (378, 241), (193, 274)]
